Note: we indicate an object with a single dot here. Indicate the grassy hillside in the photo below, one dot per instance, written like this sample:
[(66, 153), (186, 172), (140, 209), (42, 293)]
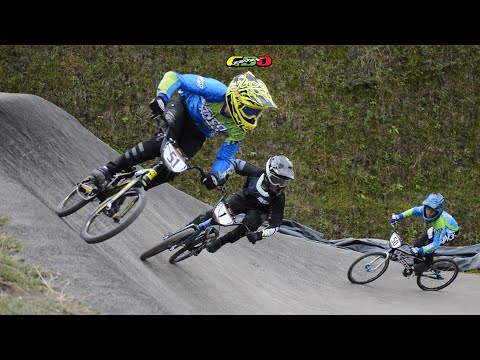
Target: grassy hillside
[(25, 289), (371, 129)]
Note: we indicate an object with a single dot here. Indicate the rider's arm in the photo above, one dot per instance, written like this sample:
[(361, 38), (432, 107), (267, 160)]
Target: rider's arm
[(211, 89), (276, 219), (241, 167), (435, 244), (416, 211), (244, 168), (224, 163), (444, 229), (226, 154)]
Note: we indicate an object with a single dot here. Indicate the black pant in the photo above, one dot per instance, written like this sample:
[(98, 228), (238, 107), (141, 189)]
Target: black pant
[(420, 267), (183, 131), (254, 217)]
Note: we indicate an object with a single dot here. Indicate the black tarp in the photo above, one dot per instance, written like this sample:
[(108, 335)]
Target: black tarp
[(467, 257)]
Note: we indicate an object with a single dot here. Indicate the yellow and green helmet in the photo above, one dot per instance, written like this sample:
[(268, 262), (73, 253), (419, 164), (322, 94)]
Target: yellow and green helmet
[(247, 97)]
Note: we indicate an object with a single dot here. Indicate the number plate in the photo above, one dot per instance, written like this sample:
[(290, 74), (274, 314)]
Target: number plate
[(174, 158), (395, 240), (222, 214)]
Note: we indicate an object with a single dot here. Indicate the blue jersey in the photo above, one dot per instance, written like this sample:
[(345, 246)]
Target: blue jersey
[(444, 227), (205, 101)]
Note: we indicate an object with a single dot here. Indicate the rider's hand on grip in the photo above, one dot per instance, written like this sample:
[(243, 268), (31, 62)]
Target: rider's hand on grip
[(395, 218), (157, 106), (210, 181), (416, 251), (253, 237)]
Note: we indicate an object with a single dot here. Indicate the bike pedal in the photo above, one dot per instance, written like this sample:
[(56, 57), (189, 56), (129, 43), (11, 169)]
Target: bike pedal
[(407, 272)]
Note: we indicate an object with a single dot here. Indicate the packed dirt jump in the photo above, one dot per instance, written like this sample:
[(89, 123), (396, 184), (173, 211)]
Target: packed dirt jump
[(45, 151)]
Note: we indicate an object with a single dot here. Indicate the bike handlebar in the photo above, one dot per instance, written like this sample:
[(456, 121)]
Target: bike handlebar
[(200, 170), (395, 228)]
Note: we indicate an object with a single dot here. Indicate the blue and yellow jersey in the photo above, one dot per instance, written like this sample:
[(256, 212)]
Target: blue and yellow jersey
[(444, 227), (205, 100)]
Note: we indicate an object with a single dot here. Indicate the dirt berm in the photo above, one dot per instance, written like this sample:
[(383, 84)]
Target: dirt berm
[(44, 151)]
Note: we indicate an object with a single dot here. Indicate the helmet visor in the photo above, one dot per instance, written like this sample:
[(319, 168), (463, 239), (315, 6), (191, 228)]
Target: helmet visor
[(249, 113)]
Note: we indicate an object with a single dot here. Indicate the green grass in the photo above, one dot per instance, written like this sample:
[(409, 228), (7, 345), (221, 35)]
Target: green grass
[(25, 289), (3, 220), (371, 129), (476, 272)]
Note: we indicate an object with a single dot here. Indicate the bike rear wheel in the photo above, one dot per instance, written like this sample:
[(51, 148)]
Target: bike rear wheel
[(440, 275), (167, 243), (368, 268), (104, 224), (72, 203)]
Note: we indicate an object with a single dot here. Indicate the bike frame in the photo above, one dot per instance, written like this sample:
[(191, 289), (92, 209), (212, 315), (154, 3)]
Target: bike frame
[(221, 215), (378, 262), (171, 156), (393, 248)]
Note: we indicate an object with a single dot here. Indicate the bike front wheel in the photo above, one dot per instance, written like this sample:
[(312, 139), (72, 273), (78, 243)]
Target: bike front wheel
[(107, 221), (440, 275), (368, 267), (72, 203), (167, 243), (180, 255)]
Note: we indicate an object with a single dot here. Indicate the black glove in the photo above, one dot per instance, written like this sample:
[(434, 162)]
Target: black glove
[(157, 106), (253, 237), (210, 181)]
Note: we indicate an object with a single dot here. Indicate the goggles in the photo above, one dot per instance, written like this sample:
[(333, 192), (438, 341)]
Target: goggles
[(277, 180), (249, 113)]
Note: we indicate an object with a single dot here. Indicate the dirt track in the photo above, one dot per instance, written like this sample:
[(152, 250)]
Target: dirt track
[(45, 151)]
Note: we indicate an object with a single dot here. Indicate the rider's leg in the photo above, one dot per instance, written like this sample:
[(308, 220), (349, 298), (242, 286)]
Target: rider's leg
[(185, 133), (253, 216), (150, 149), (418, 264), (253, 219), (202, 217), (191, 139), (421, 266), (232, 236), (146, 150)]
